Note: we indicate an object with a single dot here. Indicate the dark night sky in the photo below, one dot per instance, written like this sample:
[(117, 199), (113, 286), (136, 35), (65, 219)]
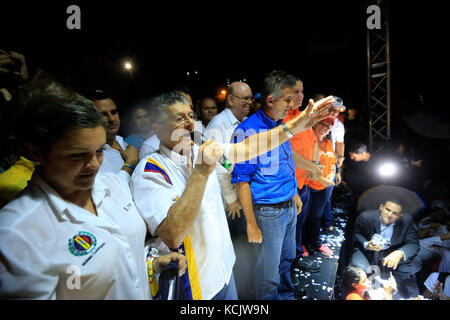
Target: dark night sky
[(324, 43)]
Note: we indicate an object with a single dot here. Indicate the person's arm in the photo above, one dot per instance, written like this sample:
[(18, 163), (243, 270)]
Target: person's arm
[(411, 243), (315, 171), (181, 215), (340, 149), (25, 270), (358, 234), (332, 172), (423, 232), (229, 192), (254, 234), (298, 203), (263, 142), (130, 156), (338, 178)]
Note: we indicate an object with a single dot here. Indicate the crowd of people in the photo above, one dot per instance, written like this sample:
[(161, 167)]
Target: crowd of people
[(234, 197)]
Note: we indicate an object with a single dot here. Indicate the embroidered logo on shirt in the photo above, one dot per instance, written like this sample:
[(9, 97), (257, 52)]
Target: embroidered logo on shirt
[(82, 243), (153, 166)]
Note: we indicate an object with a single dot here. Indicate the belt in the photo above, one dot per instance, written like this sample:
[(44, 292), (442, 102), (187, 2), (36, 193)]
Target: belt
[(280, 205)]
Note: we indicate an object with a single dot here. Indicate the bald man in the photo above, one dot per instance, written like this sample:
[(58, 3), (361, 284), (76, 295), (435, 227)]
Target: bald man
[(239, 99), (221, 127)]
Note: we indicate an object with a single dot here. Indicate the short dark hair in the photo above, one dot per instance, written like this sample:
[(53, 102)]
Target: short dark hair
[(45, 111), (98, 94), (274, 83), (358, 148), (394, 200), (350, 276)]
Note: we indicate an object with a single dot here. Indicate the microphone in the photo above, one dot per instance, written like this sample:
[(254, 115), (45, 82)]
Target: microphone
[(227, 164)]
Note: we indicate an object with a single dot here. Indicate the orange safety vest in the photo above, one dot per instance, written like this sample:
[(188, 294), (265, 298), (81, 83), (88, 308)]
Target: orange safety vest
[(303, 143), (327, 159)]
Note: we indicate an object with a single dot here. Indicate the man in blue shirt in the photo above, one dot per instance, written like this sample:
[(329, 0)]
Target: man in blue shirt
[(140, 125), (267, 190)]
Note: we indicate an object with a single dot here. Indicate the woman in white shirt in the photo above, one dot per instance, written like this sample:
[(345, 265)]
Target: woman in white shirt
[(71, 234)]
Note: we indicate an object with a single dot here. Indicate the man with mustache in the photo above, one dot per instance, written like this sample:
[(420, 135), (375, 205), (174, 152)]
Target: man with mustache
[(119, 157), (177, 191)]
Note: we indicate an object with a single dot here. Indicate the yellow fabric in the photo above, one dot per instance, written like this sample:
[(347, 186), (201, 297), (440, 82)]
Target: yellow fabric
[(194, 278), (15, 179)]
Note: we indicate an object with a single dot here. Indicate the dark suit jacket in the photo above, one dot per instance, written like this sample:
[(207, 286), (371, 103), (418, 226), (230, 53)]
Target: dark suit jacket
[(404, 236)]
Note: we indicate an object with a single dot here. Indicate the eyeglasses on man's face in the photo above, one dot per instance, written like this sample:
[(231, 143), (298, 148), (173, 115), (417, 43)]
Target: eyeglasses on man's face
[(248, 99)]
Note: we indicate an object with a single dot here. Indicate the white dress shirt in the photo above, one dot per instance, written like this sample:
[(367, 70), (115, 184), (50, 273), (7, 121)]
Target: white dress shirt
[(54, 249), (221, 128), (156, 184), (337, 132)]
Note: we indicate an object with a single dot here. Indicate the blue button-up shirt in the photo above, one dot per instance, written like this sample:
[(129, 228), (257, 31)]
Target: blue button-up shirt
[(272, 175), (386, 231)]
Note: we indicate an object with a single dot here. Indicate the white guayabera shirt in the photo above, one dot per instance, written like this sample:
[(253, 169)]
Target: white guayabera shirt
[(157, 183)]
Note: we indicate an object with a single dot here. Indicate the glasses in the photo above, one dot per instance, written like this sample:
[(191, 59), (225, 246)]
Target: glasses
[(249, 99), (182, 119)]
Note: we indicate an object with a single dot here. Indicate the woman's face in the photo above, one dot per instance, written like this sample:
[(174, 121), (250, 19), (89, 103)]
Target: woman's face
[(73, 161), (364, 283)]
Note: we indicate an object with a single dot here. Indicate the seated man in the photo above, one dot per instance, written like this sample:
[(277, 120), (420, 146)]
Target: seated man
[(399, 247)]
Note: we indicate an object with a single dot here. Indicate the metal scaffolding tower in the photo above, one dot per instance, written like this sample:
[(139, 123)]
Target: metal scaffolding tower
[(379, 80)]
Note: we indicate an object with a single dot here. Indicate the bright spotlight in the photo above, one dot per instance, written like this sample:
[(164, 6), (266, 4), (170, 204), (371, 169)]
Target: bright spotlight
[(128, 66), (387, 169)]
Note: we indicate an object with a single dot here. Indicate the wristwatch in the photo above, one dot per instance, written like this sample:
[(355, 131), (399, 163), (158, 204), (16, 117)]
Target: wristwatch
[(286, 130)]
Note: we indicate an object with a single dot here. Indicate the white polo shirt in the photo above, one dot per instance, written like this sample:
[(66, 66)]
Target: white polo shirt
[(156, 184), (55, 249), (337, 132), (113, 161), (221, 129)]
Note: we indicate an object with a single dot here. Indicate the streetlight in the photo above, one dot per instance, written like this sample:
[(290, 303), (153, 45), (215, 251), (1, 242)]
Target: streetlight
[(128, 66)]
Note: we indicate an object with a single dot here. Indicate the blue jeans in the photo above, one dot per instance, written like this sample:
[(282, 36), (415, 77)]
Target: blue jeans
[(318, 202), (304, 194), (327, 218), (276, 253), (228, 291)]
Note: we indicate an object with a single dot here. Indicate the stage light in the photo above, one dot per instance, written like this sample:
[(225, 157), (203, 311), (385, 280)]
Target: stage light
[(128, 65), (387, 169), (221, 95)]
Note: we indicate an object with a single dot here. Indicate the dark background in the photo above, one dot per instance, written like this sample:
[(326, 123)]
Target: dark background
[(323, 42)]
